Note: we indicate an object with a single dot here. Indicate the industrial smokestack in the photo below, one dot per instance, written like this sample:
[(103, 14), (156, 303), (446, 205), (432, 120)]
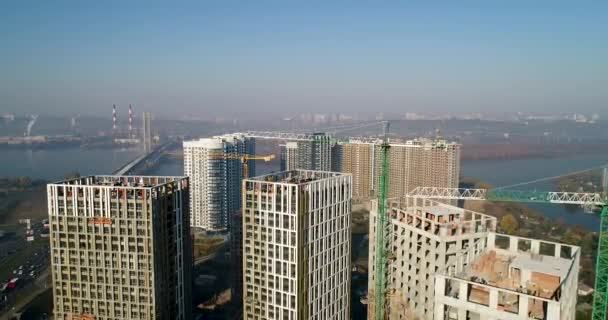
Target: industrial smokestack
[(114, 117), (30, 124), (130, 121)]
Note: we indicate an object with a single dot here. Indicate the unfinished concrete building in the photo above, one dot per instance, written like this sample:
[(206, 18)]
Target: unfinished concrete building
[(425, 238), (513, 278), (297, 246), (120, 248), (446, 262)]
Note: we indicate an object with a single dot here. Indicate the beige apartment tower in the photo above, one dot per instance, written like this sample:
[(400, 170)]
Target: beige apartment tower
[(297, 246), (120, 248), (412, 163)]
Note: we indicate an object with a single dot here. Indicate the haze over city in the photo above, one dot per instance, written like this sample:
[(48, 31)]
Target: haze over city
[(303, 160), (211, 59)]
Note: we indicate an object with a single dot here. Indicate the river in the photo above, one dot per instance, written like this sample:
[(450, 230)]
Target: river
[(53, 164), (507, 172)]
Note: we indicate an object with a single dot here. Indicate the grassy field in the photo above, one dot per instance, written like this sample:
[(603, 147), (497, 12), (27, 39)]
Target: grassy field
[(204, 245), (24, 204)]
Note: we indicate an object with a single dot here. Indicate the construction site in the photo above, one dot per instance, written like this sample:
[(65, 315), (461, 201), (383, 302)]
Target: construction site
[(430, 259)]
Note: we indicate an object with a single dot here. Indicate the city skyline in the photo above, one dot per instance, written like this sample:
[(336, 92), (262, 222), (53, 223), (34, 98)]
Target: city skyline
[(226, 60)]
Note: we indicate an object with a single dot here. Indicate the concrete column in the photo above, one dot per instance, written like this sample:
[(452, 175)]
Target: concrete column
[(513, 244), (491, 240), (553, 310), (493, 299), (558, 250), (523, 306), (462, 314), (463, 291), (439, 311), (535, 248), (526, 275)]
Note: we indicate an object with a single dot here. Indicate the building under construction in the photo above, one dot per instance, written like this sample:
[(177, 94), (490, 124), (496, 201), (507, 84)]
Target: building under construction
[(120, 248), (446, 262), (297, 246)]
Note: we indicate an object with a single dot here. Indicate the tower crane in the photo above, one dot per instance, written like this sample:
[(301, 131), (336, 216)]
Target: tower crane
[(382, 229), (600, 298), (244, 159)]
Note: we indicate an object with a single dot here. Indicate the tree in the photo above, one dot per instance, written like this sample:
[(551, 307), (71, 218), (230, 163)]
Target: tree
[(72, 175), (24, 182), (509, 224)]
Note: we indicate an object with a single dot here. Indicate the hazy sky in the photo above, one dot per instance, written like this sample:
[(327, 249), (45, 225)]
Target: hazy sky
[(242, 58)]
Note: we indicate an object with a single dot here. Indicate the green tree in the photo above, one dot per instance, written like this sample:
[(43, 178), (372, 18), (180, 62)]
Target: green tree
[(72, 175), (509, 224), (24, 182)]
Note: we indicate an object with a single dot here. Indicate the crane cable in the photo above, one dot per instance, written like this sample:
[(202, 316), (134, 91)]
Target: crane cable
[(552, 177)]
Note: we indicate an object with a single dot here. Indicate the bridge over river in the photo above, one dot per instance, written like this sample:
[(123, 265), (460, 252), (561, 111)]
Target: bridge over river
[(144, 161)]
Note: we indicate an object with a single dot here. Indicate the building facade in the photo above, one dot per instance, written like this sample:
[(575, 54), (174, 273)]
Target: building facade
[(315, 153), (236, 259), (147, 131), (426, 237), (120, 248), (357, 158), (413, 163), (513, 278), (216, 173), (419, 163), (297, 246), (449, 263)]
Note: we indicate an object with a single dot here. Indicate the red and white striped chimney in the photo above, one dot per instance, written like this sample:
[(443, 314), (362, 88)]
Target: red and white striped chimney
[(114, 117), (130, 121)]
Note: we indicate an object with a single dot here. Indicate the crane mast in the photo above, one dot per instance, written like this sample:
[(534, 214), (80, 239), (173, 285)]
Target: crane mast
[(382, 227)]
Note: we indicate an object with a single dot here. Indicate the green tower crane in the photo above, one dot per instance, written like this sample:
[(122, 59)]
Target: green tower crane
[(600, 298), (382, 226)]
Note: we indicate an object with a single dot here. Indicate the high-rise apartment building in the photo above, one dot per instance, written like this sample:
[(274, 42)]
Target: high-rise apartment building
[(288, 156), (236, 259), (426, 237), (314, 154), (296, 246), (446, 262), (291, 156), (414, 163), (420, 162), (356, 158), (215, 176), (120, 248), (147, 131)]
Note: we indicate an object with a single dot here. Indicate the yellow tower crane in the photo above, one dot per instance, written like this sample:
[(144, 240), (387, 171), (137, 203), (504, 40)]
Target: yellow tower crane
[(244, 159)]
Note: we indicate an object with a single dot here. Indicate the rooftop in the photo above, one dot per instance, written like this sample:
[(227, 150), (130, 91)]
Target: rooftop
[(534, 274), (121, 181), (296, 176), (438, 210)]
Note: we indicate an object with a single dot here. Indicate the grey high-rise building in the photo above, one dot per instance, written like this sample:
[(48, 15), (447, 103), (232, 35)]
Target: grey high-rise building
[(120, 248), (297, 246), (147, 131), (314, 154)]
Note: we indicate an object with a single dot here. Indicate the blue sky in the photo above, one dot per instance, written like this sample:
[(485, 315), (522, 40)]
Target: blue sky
[(249, 58)]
